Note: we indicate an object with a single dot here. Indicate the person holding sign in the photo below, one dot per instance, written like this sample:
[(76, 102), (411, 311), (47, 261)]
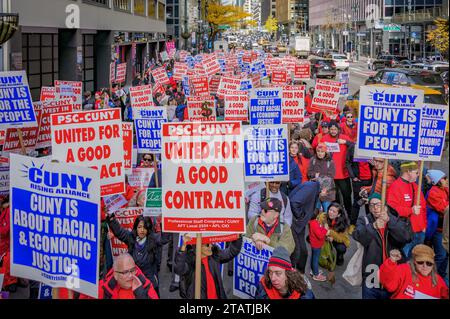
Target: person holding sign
[(212, 258), (417, 279), (281, 280), (295, 176), (349, 127), (268, 229), (377, 232), (377, 173), (402, 196)]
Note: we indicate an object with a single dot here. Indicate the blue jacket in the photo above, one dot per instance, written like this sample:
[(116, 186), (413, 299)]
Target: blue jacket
[(152, 183), (295, 177), (303, 200)]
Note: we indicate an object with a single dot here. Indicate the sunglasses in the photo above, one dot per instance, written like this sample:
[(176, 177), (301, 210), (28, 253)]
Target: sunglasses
[(350, 117), (429, 264), (147, 159)]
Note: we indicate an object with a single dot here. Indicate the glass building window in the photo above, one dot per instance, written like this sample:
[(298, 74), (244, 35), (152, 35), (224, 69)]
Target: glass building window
[(151, 9), (124, 5), (88, 76), (161, 11), (139, 7)]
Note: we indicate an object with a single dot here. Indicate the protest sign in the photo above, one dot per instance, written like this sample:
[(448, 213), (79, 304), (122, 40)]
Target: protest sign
[(344, 78), (228, 84), (112, 72), (2, 136), (114, 202), (170, 48), (333, 147), (293, 103), (125, 217), (207, 238), (148, 121), (199, 85), (201, 108), (48, 108), (260, 68), (203, 183), (45, 292), (266, 153), (211, 65), (214, 82), (164, 56), (158, 88), (153, 202), (249, 267), (246, 84), (182, 55), (302, 71), (279, 77), (140, 177), (433, 125), (179, 70), (55, 224), (160, 75), (256, 80), (16, 105), (4, 176), (70, 89), (265, 106), (141, 96), (127, 132), (92, 139), (121, 73), (389, 122), (236, 106), (326, 95), (48, 93), (185, 85)]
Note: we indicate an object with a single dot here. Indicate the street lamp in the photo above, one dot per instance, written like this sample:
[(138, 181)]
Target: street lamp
[(9, 23)]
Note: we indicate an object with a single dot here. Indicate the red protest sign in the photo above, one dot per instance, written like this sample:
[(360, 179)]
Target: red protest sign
[(48, 93), (182, 55), (160, 75), (279, 77), (141, 96), (214, 82), (199, 197), (293, 104), (211, 239), (92, 139), (302, 71), (49, 108), (158, 88), (228, 84), (112, 72), (121, 73), (29, 134), (211, 65), (70, 89), (236, 106), (201, 108), (199, 85), (2, 136), (326, 95), (127, 131), (126, 218), (179, 70), (256, 80)]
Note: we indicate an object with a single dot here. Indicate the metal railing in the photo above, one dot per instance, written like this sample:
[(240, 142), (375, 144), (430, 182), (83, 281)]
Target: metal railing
[(123, 5), (418, 16), (101, 3)]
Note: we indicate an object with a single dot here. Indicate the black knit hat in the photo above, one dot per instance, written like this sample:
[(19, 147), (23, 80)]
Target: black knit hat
[(280, 258)]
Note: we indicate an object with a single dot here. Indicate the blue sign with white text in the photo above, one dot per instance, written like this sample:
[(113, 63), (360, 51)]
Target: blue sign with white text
[(148, 123), (265, 106)]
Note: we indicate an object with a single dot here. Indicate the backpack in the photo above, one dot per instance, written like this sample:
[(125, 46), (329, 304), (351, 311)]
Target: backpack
[(328, 256)]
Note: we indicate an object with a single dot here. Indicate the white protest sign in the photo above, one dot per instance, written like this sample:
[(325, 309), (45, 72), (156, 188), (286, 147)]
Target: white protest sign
[(236, 106), (114, 202), (326, 95), (293, 103), (70, 89), (434, 124), (141, 96), (201, 108), (332, 147)]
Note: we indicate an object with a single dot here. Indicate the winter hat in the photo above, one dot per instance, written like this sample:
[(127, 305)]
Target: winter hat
[(325, 124), (375, 195), (272, 204), (322, 146), (334, 123), (435, 175), (423, 253), (408, 166), (281, 258)]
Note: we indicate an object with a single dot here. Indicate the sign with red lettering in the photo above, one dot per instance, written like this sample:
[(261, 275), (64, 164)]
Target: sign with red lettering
[(228, 84), (211, 65), (214, 82), (127, 132), (236, 106), (302, 71), (326, 95), (29, 134), (141, 96), (199, 85), (293, 104), (203, 189), (256, 80), (49, 108), (2, 136), (279, 77), (126, 218), (182, 55), (70, 89), (92, 139), (160, 75), (121, 73), (48, 93), (201, 108), (112, 72), (179, 70), (158, 88)]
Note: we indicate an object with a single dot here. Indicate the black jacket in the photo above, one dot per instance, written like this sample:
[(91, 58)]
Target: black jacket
[(303, 200), (261, 293), (397, 234), (185, 268)]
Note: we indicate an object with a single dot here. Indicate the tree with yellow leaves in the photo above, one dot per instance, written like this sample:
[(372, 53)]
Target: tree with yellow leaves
[(439, 36), (218, 15), (271, 25)]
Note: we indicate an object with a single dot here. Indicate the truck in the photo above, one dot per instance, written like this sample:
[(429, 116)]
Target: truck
[(301, 45)]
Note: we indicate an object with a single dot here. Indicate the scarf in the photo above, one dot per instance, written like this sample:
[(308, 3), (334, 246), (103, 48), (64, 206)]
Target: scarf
[(273, 293), (141, 242), (268, 230), (211, 292)]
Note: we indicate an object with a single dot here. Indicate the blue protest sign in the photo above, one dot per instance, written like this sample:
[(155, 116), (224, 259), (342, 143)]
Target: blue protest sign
[(16, 105), (344, 78), (55, 223), (45, 292), (249, 267), (185, 84), (190, 61), (266, 153), (148, 122), (259, 67), (434, 124), (246, 85), (265, 106), (389, 122)]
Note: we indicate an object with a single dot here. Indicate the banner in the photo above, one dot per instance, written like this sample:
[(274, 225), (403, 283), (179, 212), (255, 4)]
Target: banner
[(236, 106), (249, 268), (148, 121), (127, 132), (16, 105), (160, 75), (228, 84), (433, 127), (49, 108), (344, 78), (121, 73), (389, 123), (55, 224), (266, 153), (201, 108), (203, 189), (326, 95), (199, 85), (70, 89), (92, 139), (293, 103), (141, 96), (126, 218), (302, 71), (48, 93), (265, 106), (179, 70)]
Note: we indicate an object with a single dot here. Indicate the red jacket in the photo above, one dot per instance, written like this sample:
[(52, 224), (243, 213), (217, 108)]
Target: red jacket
[(401, 196), (398, 280), (438, 199), (339, 158), (378, 180), (351, 132), (4, 230), (317, 234)]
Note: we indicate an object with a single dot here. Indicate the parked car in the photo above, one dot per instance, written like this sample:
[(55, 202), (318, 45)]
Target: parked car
[(341, 61), (409, 64), (387, 61), (399, 76), (436, 66), (323, 68)]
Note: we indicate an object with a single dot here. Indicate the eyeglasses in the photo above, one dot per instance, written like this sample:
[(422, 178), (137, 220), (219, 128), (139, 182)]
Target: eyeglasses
[(124, 273), (147, 159), (375, 205), (429, 264), (276, 183), (349, 117)]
